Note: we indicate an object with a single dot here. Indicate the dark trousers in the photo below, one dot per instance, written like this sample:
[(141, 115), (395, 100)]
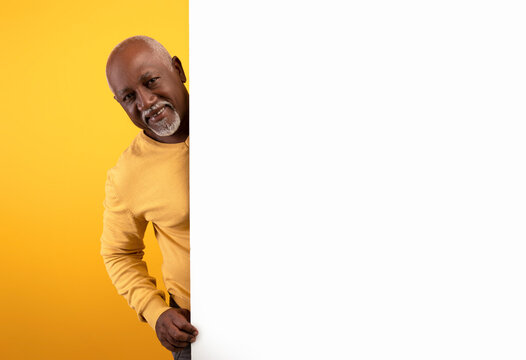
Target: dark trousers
[(186, 353)]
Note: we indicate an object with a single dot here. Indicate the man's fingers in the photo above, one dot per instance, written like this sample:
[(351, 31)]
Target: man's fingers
[(167, 345), (181, 344), (178, 335), (177, 344), (189, 328), (185, 326), (174, 331)]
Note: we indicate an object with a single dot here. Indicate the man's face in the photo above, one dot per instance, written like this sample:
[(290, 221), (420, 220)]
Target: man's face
[(150, 89)]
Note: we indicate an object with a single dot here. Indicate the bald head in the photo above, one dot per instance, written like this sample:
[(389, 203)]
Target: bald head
[(145, 43), (149, 85)]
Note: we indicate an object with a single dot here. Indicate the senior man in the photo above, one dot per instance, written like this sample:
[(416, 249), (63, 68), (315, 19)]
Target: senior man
[(149, 183)]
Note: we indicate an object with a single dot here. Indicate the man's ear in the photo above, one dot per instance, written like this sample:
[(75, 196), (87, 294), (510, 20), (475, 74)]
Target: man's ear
[(176, 63)]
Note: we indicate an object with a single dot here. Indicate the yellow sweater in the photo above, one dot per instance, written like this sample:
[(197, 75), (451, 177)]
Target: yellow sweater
[(149, 183)]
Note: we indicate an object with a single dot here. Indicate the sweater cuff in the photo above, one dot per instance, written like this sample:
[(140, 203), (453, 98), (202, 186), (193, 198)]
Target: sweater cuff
[(154, 309)]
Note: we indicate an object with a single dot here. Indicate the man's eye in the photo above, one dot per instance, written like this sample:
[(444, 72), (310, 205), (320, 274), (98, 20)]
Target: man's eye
[(152, 80), (127, 97)]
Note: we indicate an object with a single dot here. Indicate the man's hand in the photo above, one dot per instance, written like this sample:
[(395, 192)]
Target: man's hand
[(174, 330)]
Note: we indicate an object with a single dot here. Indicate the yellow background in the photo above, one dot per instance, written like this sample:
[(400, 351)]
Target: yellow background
[(61, 132)]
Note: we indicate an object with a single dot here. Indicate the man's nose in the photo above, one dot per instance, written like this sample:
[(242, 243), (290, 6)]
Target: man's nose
[(145, 99)]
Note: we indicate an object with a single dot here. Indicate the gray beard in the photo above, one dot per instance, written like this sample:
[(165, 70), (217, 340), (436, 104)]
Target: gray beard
[(166, 127)]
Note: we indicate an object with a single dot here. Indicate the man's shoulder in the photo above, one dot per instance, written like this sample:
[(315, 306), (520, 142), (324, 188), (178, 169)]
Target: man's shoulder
[(128, 164)]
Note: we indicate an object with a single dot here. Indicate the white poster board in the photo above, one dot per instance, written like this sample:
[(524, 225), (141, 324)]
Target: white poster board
[(358, 180)]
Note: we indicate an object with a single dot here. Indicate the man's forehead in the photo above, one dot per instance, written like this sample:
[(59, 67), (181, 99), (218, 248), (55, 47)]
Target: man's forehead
[(131, 65), (132, 58)]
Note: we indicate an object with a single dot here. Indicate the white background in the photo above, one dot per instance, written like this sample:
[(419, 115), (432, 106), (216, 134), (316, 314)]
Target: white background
[(358, 179)]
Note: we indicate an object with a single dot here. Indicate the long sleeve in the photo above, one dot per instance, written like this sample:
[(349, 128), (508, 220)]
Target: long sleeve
[(122, 249)]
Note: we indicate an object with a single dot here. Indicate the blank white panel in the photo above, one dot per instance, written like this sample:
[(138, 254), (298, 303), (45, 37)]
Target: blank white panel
[(358, 179)]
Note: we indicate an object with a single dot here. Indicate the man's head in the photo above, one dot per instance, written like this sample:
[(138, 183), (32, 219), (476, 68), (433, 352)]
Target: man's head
[(149, 85)]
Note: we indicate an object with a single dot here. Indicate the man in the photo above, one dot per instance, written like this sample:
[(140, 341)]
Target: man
[(149, 183)]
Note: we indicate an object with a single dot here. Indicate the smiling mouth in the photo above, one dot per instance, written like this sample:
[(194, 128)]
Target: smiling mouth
[(155, 117), (158, 115)]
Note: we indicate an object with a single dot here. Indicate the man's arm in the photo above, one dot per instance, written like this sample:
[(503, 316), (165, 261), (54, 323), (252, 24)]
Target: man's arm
[(122, 249)]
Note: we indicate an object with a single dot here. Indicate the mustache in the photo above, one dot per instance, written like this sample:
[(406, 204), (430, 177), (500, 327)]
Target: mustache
[(154, 108)]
